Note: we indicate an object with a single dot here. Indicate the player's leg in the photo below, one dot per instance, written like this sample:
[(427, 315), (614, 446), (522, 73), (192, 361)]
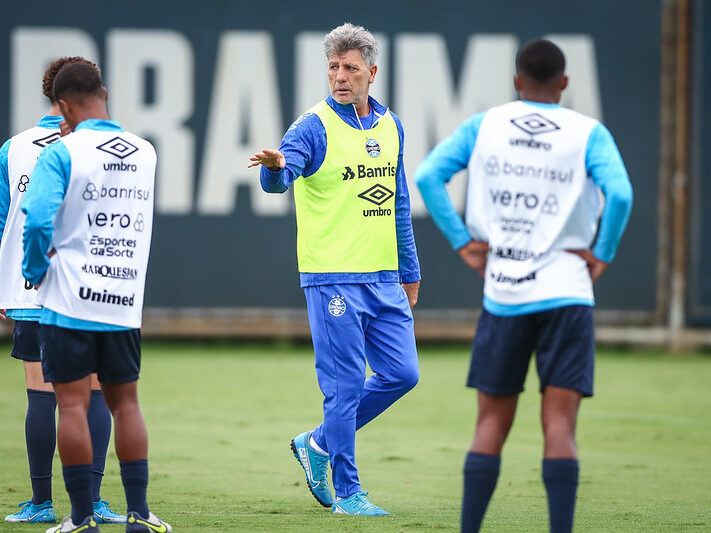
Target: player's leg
[(68, 357), (337, 318), (74, 443), (40, 429), (118, 367), (131, 440), (391, 353), (565, 361), (500, 354), (100, 428)]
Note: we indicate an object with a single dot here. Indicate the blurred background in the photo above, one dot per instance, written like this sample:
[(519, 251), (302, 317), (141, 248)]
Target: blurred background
[(210, 82)]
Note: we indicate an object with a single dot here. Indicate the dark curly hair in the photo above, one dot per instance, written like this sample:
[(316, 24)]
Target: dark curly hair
[(54, 67)]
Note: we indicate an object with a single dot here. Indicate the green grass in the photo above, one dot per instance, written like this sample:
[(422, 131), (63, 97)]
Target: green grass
[(220, 419)]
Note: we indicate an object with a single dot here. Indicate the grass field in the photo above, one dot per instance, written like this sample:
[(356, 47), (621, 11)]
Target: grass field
[(220, 418)]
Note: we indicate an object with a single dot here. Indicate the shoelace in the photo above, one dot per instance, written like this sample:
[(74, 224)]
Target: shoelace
[(322, 465), (24, 504), (362, 503)]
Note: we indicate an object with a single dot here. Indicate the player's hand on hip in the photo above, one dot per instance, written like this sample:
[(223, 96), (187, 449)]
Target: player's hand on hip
[(473, 254), (274, 160), (595, 266), (412, 290), (3, 314)]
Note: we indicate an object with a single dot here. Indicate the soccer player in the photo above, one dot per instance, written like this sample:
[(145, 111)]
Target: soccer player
[(17, 160), (533, 210), (86, 243), (357, 260)]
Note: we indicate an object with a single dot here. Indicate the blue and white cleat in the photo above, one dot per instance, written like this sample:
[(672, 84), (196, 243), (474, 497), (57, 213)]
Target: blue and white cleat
[(135, 523), (89, 525), (29, 512), (104, 515), (316, 467), (357, 504)]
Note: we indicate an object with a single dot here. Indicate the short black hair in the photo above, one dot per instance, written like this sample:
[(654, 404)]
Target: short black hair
[(77, 80), (541, 60), (52, 70)]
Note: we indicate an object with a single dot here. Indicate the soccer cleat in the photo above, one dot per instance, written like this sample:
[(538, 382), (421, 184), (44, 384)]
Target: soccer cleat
[(135, 523), (357, 504), (29, 512), (104, 515), (316, 467), (89, 525)]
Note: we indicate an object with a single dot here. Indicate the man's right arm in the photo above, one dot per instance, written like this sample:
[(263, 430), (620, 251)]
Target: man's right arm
[(446, 159), (303, 148), (4, 187), (45, 193)]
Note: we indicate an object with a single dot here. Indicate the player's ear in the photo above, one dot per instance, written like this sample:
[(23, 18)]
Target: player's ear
[(518, 84), (373, 69), (64, 106), (563, 83), (105, 93)]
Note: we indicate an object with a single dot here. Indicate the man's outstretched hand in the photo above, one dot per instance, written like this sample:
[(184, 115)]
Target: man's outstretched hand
[(274, 160)]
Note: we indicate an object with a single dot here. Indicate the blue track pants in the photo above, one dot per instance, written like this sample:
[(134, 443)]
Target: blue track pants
[(351, 324)]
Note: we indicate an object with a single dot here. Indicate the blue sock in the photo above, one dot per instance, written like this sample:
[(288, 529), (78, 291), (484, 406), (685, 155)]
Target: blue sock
[(78, 480), (560, 477), (41, 437), (481, 472), (134, 475), (99, 418)]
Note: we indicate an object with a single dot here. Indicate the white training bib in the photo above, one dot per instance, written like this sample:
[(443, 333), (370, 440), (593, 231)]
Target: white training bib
[(103, 229), (25, 147), (530, 198)]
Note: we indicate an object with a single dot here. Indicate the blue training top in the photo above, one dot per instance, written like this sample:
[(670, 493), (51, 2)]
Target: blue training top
[(304, 147), (49, 183), (603, 164)]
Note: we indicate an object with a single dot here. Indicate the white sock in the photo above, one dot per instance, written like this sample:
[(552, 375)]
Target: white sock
[(315, 446)]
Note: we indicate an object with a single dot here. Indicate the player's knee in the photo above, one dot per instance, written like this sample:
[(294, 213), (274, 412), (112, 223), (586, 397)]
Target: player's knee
[(409, 377)]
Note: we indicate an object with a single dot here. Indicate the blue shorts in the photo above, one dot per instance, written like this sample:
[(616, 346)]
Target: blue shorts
[(72, 354), (25, 341), (564, 342)]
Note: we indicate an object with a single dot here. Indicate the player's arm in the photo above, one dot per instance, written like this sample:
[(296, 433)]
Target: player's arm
[(409, 264), (4, 197), (4, 187), (300, 153), (446, 159), (45, 193), (605, 167)]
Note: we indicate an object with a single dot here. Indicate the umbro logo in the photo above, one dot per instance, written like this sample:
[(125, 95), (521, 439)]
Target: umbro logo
[(377, 194), (534, 123), (46, 141), (118, 147)]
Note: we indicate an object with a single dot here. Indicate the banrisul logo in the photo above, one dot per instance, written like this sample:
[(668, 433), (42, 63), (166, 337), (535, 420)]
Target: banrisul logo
[(372, 147), (118, 147), (363, 171)]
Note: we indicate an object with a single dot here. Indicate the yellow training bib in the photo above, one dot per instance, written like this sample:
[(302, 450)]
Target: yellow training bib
[(345, 212)]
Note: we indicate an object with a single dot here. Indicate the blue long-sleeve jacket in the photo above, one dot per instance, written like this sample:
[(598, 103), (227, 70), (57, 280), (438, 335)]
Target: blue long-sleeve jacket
[(304, 147)]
